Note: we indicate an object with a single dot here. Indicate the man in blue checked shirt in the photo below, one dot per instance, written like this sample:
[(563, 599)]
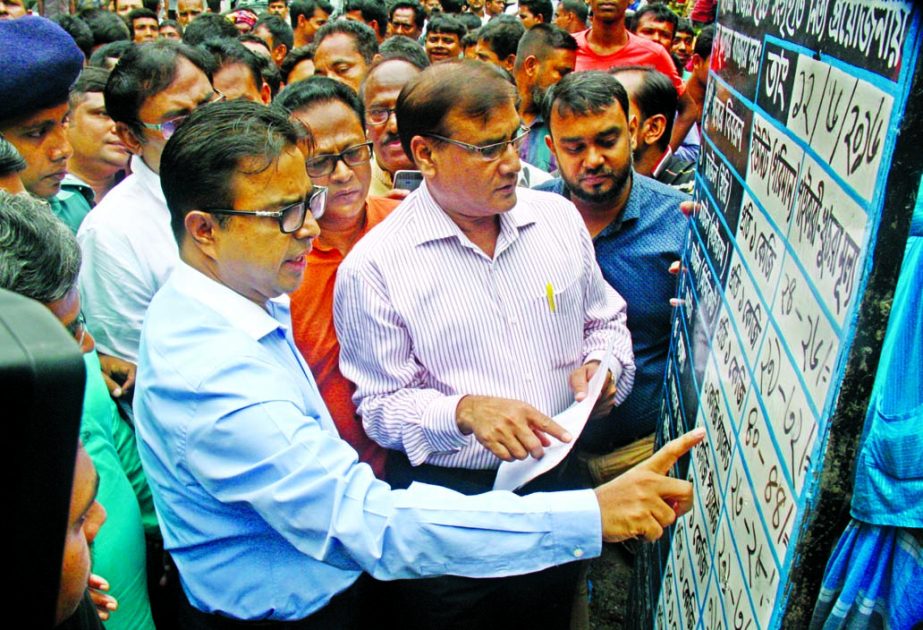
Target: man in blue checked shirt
[(265, 510)]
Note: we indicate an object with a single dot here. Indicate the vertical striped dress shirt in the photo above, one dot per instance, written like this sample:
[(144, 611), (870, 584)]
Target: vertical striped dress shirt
[(425, 317)]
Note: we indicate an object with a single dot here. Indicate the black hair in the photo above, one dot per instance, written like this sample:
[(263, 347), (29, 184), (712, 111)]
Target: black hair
[(400, 47), (174, 24), (703, 42), (446, 24), (208, 26), (684, 25), (655, 95), (227, 52), (473, 88), (91, 79), (271, 74), (250, 37), (318, 90), (583, 93), (10, 160), (106, 27), (112, 50), (136, 14), (539, 7), (281, 32), (370, 10), (502, 35), (578, 8), (659, 12), (419, 16), (200, 160), (363, 36), (293, 58), (452, 7), (306, 8), (144, 71), (78, 30), (541, 40)]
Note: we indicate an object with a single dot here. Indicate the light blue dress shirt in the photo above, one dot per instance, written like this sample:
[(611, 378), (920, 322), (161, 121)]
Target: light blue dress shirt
[(265, 509)]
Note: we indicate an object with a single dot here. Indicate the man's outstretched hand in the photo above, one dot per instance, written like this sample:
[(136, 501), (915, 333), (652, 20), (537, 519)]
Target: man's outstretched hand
[(641, 502)]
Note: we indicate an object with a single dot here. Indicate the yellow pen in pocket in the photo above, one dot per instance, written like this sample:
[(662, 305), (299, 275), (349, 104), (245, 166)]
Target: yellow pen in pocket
[(549, 292)]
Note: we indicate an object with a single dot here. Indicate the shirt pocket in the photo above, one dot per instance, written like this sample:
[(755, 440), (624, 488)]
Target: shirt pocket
[(557, 314)]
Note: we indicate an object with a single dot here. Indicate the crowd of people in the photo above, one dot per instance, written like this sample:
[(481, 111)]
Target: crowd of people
[(329, 268)]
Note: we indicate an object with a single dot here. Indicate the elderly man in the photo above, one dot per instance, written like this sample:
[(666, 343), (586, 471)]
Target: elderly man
[(127, 245), (245, 464), (188, 10), (472, 314), (379, 94), (637, 233)]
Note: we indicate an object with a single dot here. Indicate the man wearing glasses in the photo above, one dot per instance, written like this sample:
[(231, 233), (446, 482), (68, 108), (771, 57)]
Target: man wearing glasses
[(341, 161), (264, 508), (128, 247), (469, 317)]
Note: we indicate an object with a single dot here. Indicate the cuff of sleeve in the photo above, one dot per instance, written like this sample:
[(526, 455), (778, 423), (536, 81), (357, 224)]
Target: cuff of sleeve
[(439, 425), (576, 524)]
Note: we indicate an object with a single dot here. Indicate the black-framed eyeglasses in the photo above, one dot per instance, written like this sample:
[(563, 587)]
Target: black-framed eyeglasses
[(379, 115), (487, 152), (323, 165), (78, 328), (168, 127), (291, 217)]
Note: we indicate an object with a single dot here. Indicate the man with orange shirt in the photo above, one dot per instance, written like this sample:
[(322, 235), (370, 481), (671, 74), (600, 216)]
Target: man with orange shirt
[(341, 161)]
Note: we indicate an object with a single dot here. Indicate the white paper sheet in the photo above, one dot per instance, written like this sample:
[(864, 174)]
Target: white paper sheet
[(515, 474)]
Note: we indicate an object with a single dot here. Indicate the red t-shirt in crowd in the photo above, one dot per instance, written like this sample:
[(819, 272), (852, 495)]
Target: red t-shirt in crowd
[(637, 52), (315, 336)]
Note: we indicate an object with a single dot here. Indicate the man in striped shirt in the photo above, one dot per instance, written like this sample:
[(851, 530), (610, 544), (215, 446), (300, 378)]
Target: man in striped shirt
[(469, 317)]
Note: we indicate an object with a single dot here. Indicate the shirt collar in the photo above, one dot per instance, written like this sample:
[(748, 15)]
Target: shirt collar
[(240, 312), (662, 164), (629, 214), (149, 179), (435, 224)]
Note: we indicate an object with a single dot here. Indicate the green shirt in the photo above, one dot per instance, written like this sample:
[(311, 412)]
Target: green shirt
[(73, 202), (118, 553)]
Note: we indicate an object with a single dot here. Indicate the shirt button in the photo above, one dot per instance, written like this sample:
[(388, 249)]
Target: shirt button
[(529, 377), (578, 552), (514, 321)]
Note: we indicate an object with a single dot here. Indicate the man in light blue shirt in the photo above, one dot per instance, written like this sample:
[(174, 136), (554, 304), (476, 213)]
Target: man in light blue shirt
[(265, 509)]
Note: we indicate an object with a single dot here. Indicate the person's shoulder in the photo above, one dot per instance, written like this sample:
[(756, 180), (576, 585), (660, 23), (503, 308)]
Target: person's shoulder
[(658, 191), (581, 37), (553, 185), (116, 209)]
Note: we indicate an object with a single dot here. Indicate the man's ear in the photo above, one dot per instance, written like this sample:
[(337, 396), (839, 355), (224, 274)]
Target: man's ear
[(632, 132), (201, 228), (128, 137), (509, 62), (531, 65), (266, 93), (549, 142), (422, 154), (278, 53), (652, 129)]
